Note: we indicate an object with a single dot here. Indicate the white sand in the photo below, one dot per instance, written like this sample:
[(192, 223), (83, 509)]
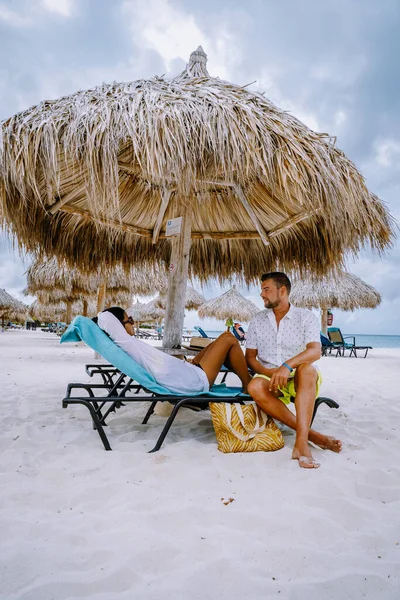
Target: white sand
[(78, 522)]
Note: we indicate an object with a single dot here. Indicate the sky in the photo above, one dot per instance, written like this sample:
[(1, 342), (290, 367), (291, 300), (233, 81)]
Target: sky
[(333, 64)]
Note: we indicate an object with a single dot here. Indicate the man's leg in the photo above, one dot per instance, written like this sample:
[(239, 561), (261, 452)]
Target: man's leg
[(305, 382), (259, 390)]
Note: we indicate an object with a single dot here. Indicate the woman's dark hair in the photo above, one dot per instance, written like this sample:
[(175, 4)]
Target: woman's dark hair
[(117, 311)]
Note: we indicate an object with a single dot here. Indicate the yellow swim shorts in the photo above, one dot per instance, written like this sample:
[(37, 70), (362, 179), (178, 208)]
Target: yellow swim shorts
[(289, 391)]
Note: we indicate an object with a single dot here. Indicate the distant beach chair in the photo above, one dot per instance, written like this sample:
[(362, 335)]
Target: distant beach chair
[(339, 342), (149, 334), (122, 375), (202, 332), (327, 346), (242, 340)]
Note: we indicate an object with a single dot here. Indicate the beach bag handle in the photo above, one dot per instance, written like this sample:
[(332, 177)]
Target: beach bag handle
[(258, 427)]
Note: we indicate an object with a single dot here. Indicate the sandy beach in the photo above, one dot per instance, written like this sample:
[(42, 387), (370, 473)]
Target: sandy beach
[(78, 522)]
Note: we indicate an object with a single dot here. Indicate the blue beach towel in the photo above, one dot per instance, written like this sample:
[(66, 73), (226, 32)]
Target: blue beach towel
[(86, 330)]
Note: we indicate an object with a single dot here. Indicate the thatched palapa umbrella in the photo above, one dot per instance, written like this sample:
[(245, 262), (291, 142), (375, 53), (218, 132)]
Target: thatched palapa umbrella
[(10, 307), (57, 275), (54, 281), (86, 305), (95, 178), (193, 299), (228, 307), (340, 290), (50, 311), (53, 309), (137, 311), (150, 311), (46, 312), (145, 312)]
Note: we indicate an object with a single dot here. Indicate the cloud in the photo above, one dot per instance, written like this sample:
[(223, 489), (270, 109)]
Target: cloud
[(27, 14), (175, 33), (388, 153), (61, 7), (12, 18)]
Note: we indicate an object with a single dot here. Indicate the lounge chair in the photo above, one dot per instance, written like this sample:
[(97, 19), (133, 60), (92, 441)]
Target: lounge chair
[(148, 334), (197, 343), (327, 346), (126, 376), (242, 340), (339, 342), (202, 332)]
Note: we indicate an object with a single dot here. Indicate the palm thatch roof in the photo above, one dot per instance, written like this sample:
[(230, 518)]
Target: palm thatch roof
[(341, 290), (146, 312), (71, 283), (55, 310), (231, 305), (113, 297), (101, 171), (136, 311), (192, 301), (47, 312), (10, 307)]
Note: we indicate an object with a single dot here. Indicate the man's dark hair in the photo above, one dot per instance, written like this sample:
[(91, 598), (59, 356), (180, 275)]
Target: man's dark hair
[(279, 279), (116, 311)]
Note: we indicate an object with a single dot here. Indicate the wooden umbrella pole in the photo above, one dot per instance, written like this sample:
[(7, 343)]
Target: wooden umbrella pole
[(324, 320), (177, 282), (85, 308), (68, 313), (101, 303), (101, 296)]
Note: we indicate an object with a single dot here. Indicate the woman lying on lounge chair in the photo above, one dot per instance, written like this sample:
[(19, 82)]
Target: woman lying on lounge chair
[(178, 376)]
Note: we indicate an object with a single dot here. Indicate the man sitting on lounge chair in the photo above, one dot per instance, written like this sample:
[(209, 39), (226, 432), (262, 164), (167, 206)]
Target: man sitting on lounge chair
[(283, 342)]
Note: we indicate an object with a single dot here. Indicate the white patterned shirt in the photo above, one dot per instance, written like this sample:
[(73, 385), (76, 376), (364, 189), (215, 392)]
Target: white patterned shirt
[(274, 345)]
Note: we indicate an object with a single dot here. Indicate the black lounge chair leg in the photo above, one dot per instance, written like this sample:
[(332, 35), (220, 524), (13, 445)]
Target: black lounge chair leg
[(97, 410), (149, 412), (224, 377), (167, 425), (322, 400), (97, 424)]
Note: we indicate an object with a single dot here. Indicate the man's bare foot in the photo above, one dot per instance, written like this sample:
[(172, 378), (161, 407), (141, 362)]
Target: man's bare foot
[(305, 458), (327, 442)]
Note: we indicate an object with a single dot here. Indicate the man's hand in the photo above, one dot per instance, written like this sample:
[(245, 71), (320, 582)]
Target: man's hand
[(279, 378)]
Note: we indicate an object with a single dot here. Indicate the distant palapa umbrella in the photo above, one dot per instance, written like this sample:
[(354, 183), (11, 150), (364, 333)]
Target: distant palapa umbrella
[(10, 307), (57, 310), (229, 307), (192, 301), (51, 274), (340, 290)]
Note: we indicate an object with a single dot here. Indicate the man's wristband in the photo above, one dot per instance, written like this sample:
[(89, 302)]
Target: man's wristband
[(287, 366)]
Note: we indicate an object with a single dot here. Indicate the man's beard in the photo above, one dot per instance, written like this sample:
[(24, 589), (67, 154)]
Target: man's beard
[(268, 304)]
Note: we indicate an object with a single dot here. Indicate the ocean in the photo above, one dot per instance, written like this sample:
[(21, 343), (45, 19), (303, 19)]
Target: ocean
[(376, 341)]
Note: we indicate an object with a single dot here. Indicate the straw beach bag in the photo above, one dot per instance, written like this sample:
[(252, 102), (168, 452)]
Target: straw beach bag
[(244, 428)]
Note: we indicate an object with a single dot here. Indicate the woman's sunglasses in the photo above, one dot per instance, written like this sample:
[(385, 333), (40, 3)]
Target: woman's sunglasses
[(129, 320)]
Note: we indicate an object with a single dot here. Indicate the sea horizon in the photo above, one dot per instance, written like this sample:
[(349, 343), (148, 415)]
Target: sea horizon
[(375, 340)]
